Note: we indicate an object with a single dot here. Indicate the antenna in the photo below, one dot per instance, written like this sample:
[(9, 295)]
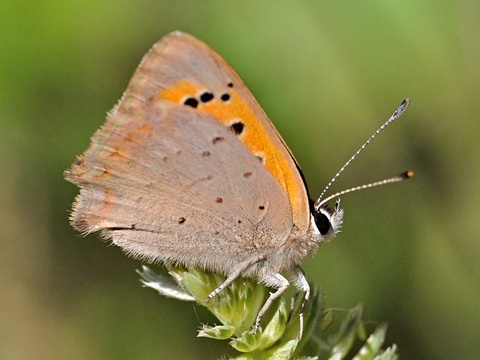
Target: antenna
[(404, 176)]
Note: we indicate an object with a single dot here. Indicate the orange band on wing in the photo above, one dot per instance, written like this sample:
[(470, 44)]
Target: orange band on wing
[(235, 111)]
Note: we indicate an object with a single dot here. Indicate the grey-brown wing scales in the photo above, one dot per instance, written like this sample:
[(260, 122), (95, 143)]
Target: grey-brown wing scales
[(172, 184)]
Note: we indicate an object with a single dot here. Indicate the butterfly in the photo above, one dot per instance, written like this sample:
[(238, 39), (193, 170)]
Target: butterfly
[(189, 170)]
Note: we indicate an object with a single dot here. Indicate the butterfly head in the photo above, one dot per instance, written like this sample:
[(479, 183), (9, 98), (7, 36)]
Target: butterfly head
[(327, 221)]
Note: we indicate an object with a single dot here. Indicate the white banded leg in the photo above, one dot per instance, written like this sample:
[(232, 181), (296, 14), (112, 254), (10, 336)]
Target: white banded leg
[(301, 284), (236, 273), (276, 281)]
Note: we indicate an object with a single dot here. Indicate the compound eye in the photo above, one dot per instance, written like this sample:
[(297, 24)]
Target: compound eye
[(322, 222)]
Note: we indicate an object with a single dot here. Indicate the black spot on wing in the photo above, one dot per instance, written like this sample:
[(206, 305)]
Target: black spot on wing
[(237, 127), (191, 101), (217, 139), (260, 158), (206, 97)]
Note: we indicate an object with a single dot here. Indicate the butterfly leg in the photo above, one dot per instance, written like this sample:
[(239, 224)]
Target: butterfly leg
[(276, 281), (301, 284), (235, 274), (292, 303)]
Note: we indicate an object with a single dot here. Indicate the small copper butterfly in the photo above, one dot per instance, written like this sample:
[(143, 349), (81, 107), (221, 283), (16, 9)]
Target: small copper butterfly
[(188, 169)]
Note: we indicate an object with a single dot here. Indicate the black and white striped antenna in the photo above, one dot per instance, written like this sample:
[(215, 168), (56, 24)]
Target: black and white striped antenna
[(404, 176)]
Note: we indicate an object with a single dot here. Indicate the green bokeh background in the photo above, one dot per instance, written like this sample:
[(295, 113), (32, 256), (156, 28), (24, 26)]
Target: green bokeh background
[(327, 73)]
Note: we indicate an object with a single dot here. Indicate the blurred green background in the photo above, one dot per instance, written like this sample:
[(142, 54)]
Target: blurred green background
[(328, 74)]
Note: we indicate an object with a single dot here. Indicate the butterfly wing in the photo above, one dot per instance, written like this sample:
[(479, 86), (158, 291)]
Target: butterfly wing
[(184, 70), (171, 175), (173, 184)]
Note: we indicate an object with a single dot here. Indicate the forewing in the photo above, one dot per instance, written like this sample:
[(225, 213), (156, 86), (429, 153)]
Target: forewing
[(170, 183), (183, 70)]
